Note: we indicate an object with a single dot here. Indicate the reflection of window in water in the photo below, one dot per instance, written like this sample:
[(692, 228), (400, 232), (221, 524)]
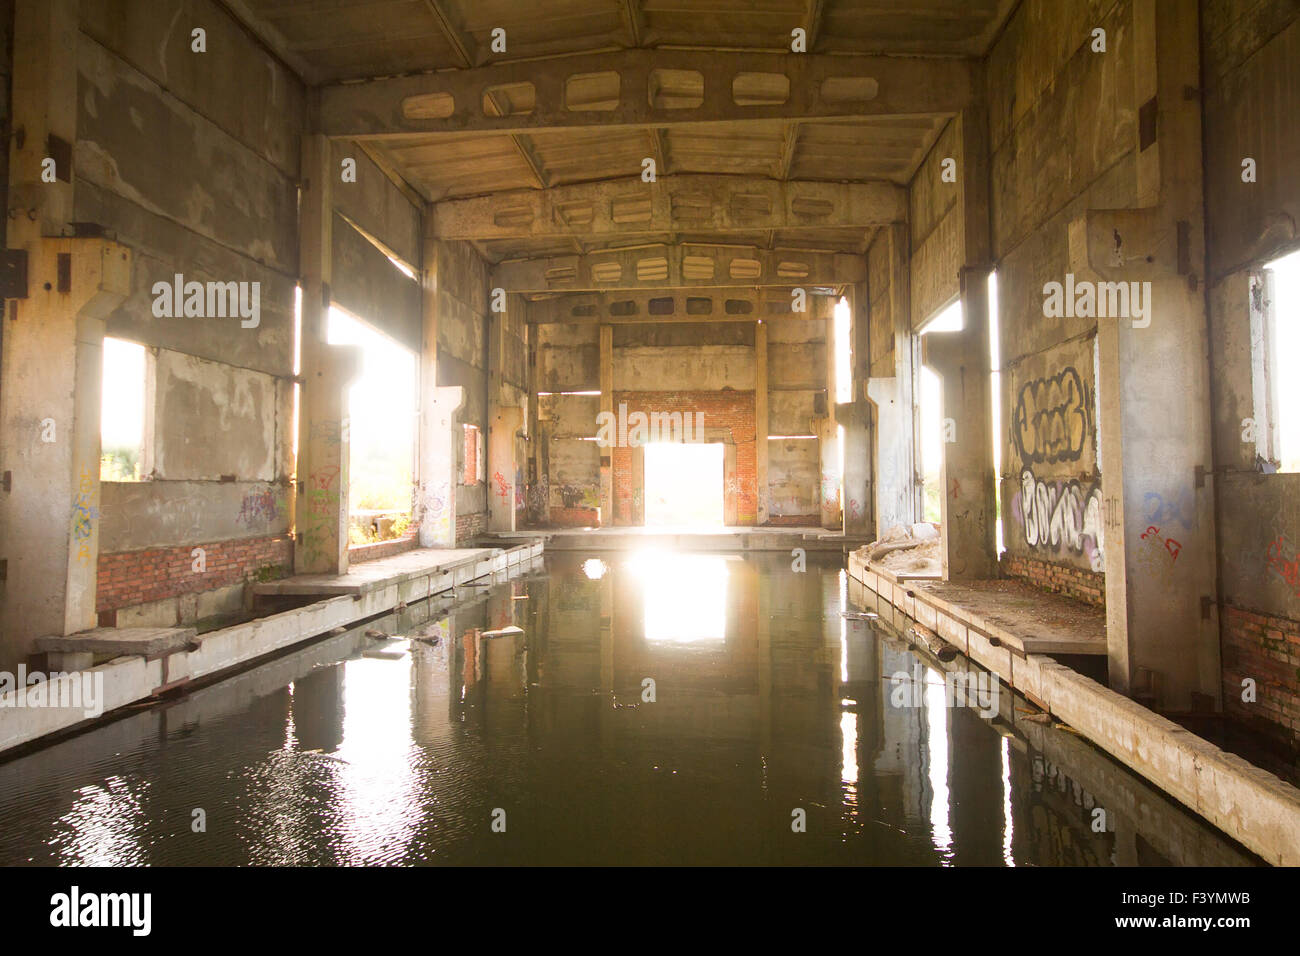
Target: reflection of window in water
[(685, 595)]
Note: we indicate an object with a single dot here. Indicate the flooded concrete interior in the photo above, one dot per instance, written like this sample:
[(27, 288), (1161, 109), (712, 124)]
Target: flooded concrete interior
[(765, 352)]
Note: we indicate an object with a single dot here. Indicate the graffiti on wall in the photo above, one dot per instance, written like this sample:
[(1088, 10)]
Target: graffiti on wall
[(1062, 516), (1051, 418), (1284, 561), (84, 516), (259, 508)]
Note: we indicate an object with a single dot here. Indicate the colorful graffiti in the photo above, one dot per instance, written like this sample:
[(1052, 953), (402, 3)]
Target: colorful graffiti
[(1284, 560), (1062, 516), (1051, 419), (259, 508), (84, 516)]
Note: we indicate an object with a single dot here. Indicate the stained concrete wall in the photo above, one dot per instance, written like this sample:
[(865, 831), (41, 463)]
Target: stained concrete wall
[(201, 181), (1061, 123), (797, 363), (463, 310), (1252, 97), (683, 358)]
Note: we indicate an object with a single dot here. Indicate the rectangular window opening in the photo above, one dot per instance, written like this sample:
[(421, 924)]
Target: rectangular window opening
[(125, 420), (1274, 309)]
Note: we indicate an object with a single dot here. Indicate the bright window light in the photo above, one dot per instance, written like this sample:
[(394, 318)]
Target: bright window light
[(122, 411), (843, 354), (381, 406), (685, 595), (1284, 348)]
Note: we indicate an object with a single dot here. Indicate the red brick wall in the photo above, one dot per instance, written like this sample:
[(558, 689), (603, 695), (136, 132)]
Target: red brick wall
[(795, 521), (726, 409), (1266, 649), (1083, 585), (128, 578), (470, 526), (574, 517), (360, 553)]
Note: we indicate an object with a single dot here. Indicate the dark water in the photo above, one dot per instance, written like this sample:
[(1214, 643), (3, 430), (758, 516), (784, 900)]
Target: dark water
[(767, 703)]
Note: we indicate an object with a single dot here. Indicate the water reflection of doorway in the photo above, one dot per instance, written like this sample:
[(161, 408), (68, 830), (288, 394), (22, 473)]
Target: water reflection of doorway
[(683, 484)]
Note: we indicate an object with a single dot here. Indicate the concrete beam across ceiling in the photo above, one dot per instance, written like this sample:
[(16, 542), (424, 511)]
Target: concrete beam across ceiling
[(673, 204), (686, 265), (646, 88), (677, 305)]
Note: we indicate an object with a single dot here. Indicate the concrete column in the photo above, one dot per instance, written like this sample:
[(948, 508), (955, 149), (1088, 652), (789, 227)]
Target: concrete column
[(321, 503), (607, 405), (898, 490), (439, 436), (52, 361), (504, 423), (855, 418), (961, 359), (761, 421), (1153, 391), (50, 425)]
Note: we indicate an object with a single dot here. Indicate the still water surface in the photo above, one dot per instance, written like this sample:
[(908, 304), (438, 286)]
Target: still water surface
[(767, 702)]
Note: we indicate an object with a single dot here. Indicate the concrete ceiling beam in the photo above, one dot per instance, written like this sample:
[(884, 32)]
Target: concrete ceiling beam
[(698, 305), (681, 266), (640, 88), (673, 204)]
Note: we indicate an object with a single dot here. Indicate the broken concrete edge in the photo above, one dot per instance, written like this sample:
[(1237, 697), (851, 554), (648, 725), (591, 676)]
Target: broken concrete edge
[(1254, 807), (125, 641), (130, 679)]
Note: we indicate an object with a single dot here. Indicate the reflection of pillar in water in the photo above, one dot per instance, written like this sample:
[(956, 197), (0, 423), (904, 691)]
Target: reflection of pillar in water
[(901, 729), (606, 588), (318, 708)]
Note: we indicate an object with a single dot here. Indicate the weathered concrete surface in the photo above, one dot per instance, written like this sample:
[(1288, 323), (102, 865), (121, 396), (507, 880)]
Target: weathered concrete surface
[(1251, 806), (129, 679), (118, 641), (153, 514), (370, 287), (213, 420)]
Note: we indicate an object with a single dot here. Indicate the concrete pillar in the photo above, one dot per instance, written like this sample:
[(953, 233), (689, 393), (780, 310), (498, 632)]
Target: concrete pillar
[(761, 421), (828, 444), (52, 361), (439, 436), (504, 423), (1153, 391), (321, 503), (898, 487), (962, 361), (607, 406), (855, 419), (50, 425)]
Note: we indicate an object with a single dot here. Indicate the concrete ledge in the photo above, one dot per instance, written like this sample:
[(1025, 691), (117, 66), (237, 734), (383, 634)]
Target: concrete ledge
[(1254, 807), (120, 641), (188, 657)]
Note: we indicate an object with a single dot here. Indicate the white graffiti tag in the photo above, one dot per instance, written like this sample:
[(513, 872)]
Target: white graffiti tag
[(1063, 516)]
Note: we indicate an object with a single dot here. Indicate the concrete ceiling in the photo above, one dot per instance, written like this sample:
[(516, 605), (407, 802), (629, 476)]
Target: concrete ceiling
[(330, 41)]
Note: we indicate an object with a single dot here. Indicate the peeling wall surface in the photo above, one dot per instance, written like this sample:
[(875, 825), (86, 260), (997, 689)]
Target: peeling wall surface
[(1048, 93), (201, 182), (1252, 76)]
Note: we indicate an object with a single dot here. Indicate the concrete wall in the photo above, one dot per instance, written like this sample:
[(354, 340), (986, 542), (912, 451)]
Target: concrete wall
[(682, 366), (1252, 78), (203, 182), (1061, 124), (463, 315)]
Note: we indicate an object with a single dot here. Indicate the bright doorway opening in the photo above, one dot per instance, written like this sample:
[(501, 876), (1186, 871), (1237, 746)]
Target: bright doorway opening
[(935, 428), (382, 410), (683, 485)]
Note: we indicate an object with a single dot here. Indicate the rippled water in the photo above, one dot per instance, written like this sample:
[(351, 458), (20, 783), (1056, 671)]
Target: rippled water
[(769, 707)]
